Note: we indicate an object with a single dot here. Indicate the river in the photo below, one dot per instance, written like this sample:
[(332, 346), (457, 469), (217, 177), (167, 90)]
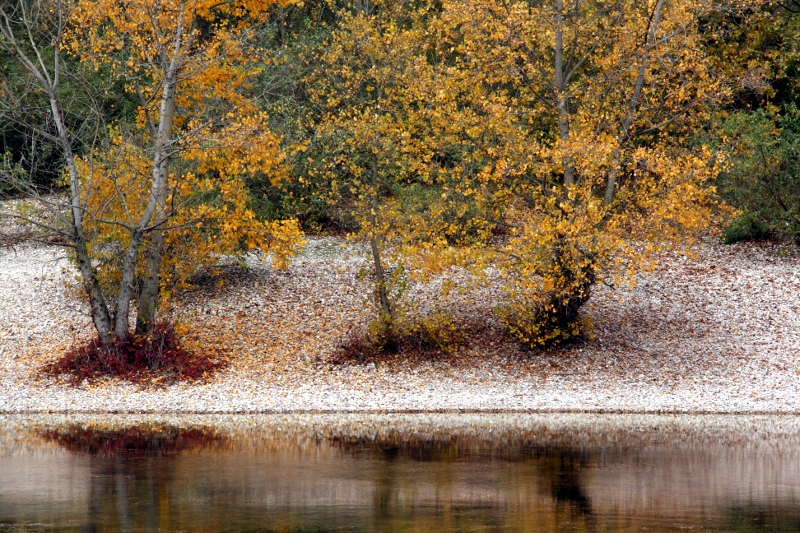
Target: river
[(399, 472)]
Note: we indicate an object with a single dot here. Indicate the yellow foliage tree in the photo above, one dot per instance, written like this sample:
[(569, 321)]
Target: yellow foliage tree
[(190, 65), (165, 194), (395, 144), (600, 169), (368, 134)]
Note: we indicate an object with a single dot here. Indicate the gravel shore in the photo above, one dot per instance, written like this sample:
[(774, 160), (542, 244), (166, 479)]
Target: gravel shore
[(717, 332)]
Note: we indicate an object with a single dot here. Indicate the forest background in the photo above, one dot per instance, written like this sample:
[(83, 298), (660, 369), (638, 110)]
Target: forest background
[(559, 143)]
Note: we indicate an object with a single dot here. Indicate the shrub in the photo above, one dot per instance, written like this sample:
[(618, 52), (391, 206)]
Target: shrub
[(763, 175), (158, 357), (428, 336)]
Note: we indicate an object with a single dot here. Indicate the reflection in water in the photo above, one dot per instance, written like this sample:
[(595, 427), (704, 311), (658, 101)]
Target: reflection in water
[(396, 474), (129, 466), (757, 518), (131, 442), (561, 472), (558, 469)]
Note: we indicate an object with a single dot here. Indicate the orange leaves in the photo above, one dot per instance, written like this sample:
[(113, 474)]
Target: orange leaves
[(574, 107), (285, 237), (141, 40), (190, 66)]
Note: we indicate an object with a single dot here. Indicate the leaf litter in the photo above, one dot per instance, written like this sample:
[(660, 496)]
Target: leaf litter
[(715, 332)]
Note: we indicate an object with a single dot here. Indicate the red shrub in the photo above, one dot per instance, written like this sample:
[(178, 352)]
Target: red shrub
[(154, 358)]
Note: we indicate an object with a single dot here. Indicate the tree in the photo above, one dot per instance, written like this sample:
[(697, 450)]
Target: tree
[(170, 182), (600, 170), (367, 139), (389, 143)]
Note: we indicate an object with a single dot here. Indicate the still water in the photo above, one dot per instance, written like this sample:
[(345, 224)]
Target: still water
[(387, 473)]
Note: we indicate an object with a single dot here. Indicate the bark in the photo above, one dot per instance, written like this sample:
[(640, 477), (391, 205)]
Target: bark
[(624, 134), (562, 105), (148, 299), (101, 317), (566, 304), (380, 278), (126, 288)]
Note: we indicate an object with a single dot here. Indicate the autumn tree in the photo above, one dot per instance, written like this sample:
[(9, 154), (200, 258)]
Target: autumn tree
[(599, 170), (367, 142), (387, 143), (166, 188)]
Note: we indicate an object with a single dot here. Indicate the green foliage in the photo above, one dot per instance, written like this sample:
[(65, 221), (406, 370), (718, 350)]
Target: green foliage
[(757, 44), (763, 175), (289, 42), (745, 227), (89, 99), (436, 331)]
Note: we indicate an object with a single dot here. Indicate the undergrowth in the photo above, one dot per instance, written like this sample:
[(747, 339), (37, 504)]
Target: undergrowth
[(430, 337), (155, 359)]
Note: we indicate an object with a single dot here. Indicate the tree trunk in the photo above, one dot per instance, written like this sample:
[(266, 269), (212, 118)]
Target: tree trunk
[(125, 293), (148, 299), (380, 278), (560, 310), (562, 106), (101, 317)]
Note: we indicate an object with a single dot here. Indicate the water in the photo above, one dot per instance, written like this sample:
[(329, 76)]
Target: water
[(387, 473)]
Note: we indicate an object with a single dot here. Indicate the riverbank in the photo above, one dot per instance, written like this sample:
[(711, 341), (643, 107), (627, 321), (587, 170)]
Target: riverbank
[(715, 333)]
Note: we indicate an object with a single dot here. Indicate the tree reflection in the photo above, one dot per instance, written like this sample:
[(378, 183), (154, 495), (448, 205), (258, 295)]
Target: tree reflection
[(555, 472), (131, 470), (561, 470), (131, 442), (771, 516)]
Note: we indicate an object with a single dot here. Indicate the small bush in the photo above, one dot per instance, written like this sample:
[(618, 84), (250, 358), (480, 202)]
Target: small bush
[(437, 331), (434, 334), (763, 175), (746, 227), (157, 358)]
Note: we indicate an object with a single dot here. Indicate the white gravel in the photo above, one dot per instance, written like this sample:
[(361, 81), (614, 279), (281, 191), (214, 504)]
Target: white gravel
[(717, 333)]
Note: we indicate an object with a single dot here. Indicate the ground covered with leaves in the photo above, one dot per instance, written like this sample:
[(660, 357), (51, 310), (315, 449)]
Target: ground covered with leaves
[(715, 331)]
